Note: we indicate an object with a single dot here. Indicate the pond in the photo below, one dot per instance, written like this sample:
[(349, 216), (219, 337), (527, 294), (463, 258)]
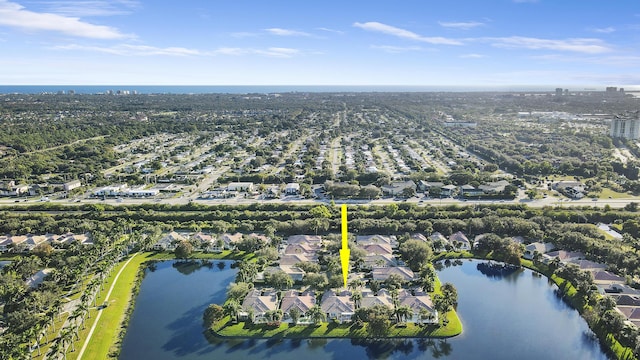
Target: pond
[(505, 317)]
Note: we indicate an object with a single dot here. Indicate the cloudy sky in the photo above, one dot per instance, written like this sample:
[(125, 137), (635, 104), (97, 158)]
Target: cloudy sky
[(309, 42)]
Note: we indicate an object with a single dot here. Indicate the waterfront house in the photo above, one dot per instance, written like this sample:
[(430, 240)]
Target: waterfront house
[(257, 303), (337, 307)]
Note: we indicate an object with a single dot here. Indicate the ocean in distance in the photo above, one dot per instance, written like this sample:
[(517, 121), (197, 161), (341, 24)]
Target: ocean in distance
[(266, 89)]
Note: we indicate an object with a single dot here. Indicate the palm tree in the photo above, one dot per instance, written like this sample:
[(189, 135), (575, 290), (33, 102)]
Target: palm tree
[(356, 297), (426, 315), (232, 308), (55, 348), (316, 315), (403, 312)]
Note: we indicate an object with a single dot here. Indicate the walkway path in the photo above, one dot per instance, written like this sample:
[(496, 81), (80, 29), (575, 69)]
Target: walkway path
[(106, 299)]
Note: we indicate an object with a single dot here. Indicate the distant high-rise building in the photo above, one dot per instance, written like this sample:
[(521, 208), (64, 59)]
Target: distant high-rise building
[(566, 92), (611, 89), (558, 91), (626, 127)]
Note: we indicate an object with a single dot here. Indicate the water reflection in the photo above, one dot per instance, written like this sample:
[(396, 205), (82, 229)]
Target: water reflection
[(484, 305)]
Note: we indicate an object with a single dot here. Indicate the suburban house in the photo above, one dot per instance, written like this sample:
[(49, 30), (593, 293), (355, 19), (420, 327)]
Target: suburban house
[(432, 187), (292, 259), (302, 302), (380, 260), (168, 242), (378, 249), (308, 239), (292, 189), (70, 185), (419, 236), (230, 241), (537, 248), (364, 240), (383, 273), (572, 189), (240, 186), (495, 187), (436, 238), (448, 190), (460, 241), (302, 248), (207, 242), (563, 256), (397, 188), (470, 190), (337, 307), (421, 305), (381, 298), (588, 265), (257, 303), (602, 277), (294, 272), (5, 244), (632, 313), (32, 241), (10, 188)]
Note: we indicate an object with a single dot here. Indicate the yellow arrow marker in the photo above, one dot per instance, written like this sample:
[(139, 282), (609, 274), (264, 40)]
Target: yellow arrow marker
[(345, 252)]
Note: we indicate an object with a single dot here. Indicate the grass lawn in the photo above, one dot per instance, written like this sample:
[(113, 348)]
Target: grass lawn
[(225, 328), (106, 333), (608, 193), (224, 255)]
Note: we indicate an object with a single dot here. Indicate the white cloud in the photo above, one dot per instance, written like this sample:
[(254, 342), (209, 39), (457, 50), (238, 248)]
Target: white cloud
[(461, 25), (607, 30), (405, 34), (581, 45), (396, 49), (330, 30), (133, 50), (15, 15), (472, 56), (286, 32), (83, 8), (145, 50), (278, 52)]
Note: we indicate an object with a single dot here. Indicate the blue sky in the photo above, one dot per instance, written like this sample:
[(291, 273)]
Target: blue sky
[(308, 42)]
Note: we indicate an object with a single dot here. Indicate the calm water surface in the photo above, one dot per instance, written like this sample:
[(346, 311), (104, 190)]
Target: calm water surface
[(512, 317)]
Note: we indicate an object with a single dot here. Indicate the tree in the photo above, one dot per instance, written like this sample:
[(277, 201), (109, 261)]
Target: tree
[(320, 212), (269, 253), (247, 271), (356, 297), (42, 250), (315, 281), (316, 315), (427, 278), (632, 206), (237, 291), (294, 314), (213, 313), (184, 250), (415, 253), (408, 192), (232, 309), (450, 293), (394, 282), (378, 320), (403, 313), (279, 280)]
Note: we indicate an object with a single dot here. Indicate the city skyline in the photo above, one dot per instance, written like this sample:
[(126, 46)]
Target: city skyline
[(454, 43)]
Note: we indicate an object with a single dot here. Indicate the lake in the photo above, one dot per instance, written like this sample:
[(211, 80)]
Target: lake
[(515, 316)]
